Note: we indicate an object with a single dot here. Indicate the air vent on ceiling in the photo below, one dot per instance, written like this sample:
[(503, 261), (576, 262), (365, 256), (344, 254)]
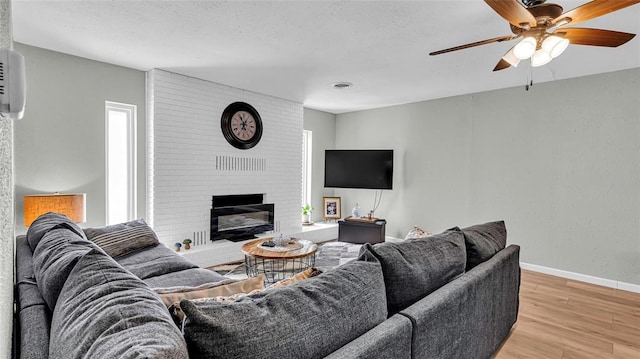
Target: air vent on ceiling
[(342, 85)]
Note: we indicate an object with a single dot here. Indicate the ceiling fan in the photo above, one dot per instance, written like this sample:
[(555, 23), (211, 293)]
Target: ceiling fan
[(542, 28)]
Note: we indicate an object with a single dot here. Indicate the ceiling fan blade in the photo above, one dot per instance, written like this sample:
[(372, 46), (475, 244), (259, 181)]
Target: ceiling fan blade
[(595, 37), (502, 64), (593, 9), (513, 12), (474, 44), (508, 60)]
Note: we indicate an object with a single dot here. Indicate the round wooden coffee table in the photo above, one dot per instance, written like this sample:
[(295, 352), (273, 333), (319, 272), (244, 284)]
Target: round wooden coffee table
[(278, 263)]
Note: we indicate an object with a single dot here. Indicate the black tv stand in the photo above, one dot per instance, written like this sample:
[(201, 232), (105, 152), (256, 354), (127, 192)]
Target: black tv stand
[(360, 232)]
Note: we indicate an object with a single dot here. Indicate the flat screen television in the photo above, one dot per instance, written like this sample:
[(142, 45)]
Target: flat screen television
[(371, 169)]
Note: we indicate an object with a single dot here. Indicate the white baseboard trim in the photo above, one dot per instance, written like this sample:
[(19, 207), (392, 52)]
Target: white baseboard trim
[(629, 287)]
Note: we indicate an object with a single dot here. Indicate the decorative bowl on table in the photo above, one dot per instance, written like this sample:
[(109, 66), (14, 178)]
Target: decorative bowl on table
[(281, 241)]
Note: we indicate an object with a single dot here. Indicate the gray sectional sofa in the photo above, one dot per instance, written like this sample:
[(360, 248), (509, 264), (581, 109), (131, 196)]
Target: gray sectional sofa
[(88, 293)]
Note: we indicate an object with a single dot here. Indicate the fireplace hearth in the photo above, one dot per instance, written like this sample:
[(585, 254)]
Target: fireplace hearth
[(240, 217)]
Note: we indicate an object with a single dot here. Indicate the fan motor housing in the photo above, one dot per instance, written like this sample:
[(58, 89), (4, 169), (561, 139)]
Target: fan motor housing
[(545, 11), (530, 3), (544, 14)]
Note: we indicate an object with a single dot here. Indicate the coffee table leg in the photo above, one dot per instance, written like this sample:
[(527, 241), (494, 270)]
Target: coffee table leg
[(250, 266), (277, 269)]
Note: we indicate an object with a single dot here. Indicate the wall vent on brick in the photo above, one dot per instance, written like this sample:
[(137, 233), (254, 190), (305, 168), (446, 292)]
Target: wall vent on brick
[(244, 164)]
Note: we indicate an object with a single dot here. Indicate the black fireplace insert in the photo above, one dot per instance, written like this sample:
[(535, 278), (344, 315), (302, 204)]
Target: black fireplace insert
[(240, 217)]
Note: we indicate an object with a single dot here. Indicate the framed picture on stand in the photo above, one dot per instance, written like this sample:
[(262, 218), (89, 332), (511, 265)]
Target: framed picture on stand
[(331, 208)]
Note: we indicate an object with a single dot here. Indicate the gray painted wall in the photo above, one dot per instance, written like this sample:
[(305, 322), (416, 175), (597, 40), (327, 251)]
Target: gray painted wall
[(6, 204), (323, 128), (60, 143), (559, 163)]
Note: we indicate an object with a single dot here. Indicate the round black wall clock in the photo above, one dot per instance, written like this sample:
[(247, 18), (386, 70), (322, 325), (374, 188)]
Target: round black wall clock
[(241, 125)]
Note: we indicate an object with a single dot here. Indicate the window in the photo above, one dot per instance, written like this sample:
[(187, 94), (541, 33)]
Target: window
[(121, 162), (306, 167)]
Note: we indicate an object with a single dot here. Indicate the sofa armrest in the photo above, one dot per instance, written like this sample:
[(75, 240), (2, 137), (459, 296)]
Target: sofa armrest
[(33, 317), (470, 316), (389, 339)]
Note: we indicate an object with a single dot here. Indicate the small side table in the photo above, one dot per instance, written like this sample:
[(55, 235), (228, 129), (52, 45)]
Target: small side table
[(360, 232), (278, 265)]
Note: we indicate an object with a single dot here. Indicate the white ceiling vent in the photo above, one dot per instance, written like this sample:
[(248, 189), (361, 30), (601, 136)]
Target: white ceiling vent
[(342, 85), (13, 89)]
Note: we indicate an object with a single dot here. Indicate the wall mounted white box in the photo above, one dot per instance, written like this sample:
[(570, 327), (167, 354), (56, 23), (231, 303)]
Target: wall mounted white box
[(13, 88)]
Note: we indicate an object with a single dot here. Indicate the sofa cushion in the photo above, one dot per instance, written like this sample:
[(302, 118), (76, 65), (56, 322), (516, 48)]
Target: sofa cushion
[(413, 269), (123, 238), (290, 322), (483, 241), (106, 312), (154, 261), (55, 255), (46, 222)]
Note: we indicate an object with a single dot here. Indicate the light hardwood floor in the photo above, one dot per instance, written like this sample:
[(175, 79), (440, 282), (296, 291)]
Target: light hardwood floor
[(565, 319)]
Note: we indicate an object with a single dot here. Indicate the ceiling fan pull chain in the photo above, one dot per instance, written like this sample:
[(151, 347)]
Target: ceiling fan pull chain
[(529, 83)]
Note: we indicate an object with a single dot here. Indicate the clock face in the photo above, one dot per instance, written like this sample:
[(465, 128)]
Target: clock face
[(241, 125)]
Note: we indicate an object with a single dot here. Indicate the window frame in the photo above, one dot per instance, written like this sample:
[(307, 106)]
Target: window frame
[(307, 163), (130, 111)]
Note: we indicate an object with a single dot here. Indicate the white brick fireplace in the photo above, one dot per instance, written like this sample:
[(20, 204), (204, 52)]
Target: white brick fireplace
[(190, 160)]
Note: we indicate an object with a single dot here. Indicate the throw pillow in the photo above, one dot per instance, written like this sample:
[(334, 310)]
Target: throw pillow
[(223, 288), (310, 272), (123, 238), (106, 312), (290, 322), (178, 315), (417, 232), (483, 241), (413, 269)]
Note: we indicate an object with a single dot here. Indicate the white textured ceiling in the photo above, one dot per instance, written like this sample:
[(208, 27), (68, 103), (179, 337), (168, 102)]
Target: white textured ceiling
[(296, 50)]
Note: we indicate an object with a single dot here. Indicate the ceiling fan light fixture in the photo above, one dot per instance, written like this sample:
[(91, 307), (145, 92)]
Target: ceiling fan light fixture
[(539, 28), (555, 45), (511, 58), (525, 48), (540, 58)]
